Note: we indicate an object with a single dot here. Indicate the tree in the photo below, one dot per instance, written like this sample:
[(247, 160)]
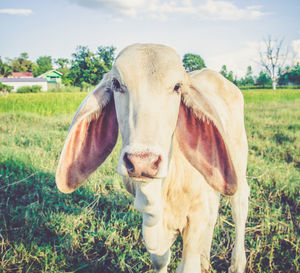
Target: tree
[(22, 64), (44, 64), (5, 69), (223, 70), (294, 74), (226, 74), (62, 63), (249, 80), (230, 76), (192, 62), (88, 67), (273, 58), (284, 78), (107, 55), (291, 75), (63, 67), (263, 79)]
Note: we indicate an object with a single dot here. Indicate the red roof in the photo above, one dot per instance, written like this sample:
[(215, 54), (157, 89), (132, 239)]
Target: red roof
[(21, 75)]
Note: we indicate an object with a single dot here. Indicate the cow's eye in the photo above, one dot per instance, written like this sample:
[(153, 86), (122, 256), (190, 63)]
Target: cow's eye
[(117, 86), (177, 87)]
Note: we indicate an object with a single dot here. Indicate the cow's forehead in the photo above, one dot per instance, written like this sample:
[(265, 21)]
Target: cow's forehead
[(149, 62)]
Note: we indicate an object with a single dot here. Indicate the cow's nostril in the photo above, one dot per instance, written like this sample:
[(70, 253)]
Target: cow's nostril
[(128, 163), (156, 164), (143, 164)]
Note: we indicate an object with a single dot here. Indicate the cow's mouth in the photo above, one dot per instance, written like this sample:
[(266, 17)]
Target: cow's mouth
[(143, 178)]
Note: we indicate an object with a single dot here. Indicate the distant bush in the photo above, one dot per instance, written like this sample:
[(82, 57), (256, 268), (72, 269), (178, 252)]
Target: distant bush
[(86, 87), (5, 88), (296, 86), (247, 87), (68, 89), (29, 89)]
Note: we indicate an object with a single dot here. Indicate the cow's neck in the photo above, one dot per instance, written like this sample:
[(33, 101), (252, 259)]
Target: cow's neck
[(149, 200)]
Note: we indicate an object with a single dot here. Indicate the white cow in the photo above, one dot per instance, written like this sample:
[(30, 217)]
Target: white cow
[(184, 143)]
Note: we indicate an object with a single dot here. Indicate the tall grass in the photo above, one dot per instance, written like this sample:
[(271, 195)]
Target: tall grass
[(57, 103), (45, 104), (262, 95), (96, 228)]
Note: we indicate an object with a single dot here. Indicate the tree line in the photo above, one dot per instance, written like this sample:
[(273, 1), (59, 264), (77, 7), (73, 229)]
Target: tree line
[(87, 68), (290, 75), (84, 68)]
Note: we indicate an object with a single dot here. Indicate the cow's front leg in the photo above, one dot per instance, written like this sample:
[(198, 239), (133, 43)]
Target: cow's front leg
[(158, 242), (158, 239), (161, 262)]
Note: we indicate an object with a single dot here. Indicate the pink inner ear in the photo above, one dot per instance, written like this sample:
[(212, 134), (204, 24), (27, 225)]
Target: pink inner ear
[(87, 147), (204, 147)]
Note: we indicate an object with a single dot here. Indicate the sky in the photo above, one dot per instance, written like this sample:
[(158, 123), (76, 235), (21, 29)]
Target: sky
[(222, 32)]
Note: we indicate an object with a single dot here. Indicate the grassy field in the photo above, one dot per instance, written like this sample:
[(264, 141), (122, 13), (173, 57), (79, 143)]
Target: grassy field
[(96, 228)]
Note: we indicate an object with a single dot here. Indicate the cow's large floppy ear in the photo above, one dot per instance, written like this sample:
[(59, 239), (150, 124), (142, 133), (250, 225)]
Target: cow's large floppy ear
[(201, 137), (91, 138)]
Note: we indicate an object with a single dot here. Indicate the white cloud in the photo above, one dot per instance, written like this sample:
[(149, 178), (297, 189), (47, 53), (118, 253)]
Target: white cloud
[(227, 11), (16, 11), (237, 60), (126, 7), (205, 10), (296, 49)]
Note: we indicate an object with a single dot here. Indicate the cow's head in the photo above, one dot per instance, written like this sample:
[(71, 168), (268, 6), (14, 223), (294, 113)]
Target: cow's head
[(149, 96)]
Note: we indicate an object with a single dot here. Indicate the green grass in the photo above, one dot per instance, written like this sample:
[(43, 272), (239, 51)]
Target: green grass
[(261, 95), (45, 104), (61, 103), (96, 228)]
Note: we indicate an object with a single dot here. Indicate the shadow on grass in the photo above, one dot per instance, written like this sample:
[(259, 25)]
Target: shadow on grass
[(44, 230)]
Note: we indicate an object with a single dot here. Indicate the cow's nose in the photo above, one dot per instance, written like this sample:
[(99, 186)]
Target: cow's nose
[(142, 164)]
